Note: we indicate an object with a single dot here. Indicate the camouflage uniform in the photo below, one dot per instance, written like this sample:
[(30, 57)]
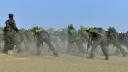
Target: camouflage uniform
[(9, 34), (43, 36), (83, 38), (98, 37), (113, 38), (72, 35)]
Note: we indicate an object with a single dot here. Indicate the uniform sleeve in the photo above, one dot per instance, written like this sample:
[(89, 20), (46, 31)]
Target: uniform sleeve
[(14, 26), (5, 28)]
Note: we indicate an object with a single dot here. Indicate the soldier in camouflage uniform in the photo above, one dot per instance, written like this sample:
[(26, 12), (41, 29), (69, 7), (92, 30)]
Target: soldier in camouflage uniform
[(83, 39), (123, 39), (72, 35), (9, 34), (98, 37), (113, 38), (42, 36)]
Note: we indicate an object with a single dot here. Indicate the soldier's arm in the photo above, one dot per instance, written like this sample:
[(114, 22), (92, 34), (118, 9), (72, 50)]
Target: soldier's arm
[(5, 28), (14, 26)]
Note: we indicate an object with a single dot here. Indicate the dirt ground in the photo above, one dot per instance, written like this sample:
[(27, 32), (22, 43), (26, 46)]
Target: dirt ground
[(64, 63)]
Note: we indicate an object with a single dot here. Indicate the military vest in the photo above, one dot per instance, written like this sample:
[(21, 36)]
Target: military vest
[(9, 30), (8, 27), (97, 34)]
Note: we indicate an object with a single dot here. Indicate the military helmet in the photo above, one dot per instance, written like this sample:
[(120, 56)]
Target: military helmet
[(10, 15), (71, 26)]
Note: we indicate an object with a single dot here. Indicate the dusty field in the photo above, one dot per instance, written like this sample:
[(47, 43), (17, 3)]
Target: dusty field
[(64, 63)]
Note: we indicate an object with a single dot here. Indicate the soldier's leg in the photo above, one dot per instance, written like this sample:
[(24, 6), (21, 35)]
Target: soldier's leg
[(51, 47), (118, 46), (19, 50), (94, 45), (71, 45), (5, 50), (11, 50), (38, 51), (11, 45), (122, 50), (89, 45), (80, 46), (27, 45), (6, 44), (105, 51)]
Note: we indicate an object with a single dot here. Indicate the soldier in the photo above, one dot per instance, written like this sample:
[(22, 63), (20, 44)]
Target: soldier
[(9, 34), (42, 36), (98, 37), (72, 34), (113, 38), (83, 39)]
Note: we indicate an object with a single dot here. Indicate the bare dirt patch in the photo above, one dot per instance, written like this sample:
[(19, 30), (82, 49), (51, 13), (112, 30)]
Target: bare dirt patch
[(64, 63)]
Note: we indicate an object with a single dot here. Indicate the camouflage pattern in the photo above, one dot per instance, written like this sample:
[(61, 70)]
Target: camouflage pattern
[(83, 39), (72, 38), (98, 37), (123, 39), (113, 38), (83, 34), (42, 36), (9, 35)]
